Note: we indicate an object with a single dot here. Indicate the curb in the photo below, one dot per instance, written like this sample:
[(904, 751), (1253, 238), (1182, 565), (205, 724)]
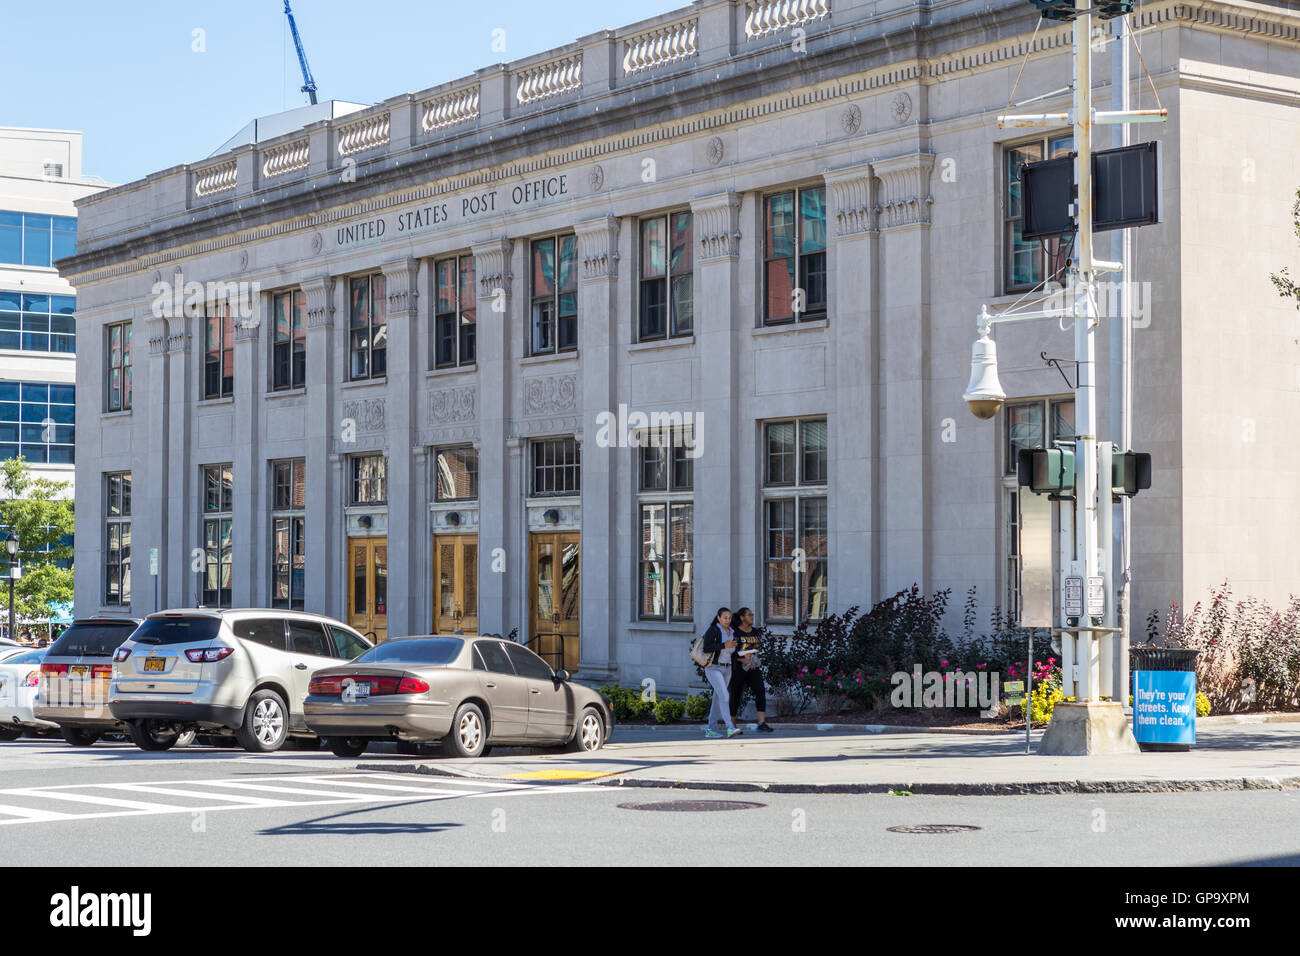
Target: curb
[(1047, 787)]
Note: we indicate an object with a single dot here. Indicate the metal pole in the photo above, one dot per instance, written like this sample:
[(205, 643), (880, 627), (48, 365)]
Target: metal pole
[(1122, 328), (1084, 347), (11, 601), (1029, 689)]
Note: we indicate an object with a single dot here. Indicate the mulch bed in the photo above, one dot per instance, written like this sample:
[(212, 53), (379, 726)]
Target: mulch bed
[(929, 718)]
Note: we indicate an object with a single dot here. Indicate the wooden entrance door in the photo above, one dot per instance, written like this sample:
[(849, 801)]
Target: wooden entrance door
[(455, 583), (368, 586), (555, 598)]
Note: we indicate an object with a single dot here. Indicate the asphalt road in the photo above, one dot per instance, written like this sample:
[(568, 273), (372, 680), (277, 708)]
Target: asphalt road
[(113, 805)]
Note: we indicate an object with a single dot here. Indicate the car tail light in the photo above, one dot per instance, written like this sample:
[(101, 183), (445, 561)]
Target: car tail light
[(379, 684), (33, 679), (412, 685), (54, 668), (206, 655), (122, 654), (102, 670), (326, 685)]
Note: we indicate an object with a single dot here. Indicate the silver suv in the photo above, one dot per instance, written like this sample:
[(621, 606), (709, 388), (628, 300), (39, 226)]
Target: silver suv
[(224, 671)]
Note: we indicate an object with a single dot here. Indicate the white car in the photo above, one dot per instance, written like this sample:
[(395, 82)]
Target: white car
[(20, 679), (243, 672)]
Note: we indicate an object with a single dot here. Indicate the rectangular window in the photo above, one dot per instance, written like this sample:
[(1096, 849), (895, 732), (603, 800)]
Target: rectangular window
[(217, 519), (554, 295), (457, 474), (37, 421), (369, 480), (667, 552), (455, 312), (288, 525), (667, 293), (117, 375), (219, 353), (795, 521), (38, 322), (557, 467), (288, 342), (368, 327), (117, 539), (1027, 264), (794, 255)]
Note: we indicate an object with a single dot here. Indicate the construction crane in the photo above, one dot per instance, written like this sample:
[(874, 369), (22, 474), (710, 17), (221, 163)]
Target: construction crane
[(308, 84)]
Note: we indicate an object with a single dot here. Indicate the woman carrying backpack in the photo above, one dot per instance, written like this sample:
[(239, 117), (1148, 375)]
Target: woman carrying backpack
[(719, 642)]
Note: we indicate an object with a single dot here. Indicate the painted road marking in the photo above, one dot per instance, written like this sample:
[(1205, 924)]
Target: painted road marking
[(214, 795)]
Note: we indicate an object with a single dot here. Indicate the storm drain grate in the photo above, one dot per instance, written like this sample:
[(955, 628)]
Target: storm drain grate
[(692, 806), (934, 828)]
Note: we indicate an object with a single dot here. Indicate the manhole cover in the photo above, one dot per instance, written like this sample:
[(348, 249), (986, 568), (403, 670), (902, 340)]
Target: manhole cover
[(934, 828), (692, 806)]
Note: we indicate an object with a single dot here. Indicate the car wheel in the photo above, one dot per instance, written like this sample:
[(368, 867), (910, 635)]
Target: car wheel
[(348, 746), (266, 723), (10, 733), (590, 735), (153, 734), (468, 737), (78, 737)]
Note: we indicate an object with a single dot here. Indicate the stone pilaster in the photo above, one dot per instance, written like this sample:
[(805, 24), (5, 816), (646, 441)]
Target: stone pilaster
[(250, 539), (493, 272), (179, 501), (597, 343), (323, 507), (406, 578), (716, 222), (904, 209), (854, 426)]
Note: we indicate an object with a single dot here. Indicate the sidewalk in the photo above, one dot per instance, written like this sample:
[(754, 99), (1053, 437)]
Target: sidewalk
[(1230, 754)]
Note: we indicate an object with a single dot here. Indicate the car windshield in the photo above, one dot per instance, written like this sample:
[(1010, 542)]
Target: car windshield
[(422, 650), (176, 630), (92, 640)]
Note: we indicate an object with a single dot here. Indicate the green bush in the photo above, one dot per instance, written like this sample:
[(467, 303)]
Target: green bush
[(627, 702), (697, 707), (668, 710)]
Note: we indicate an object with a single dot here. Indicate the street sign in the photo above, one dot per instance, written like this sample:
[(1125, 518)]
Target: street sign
[(153, 561), (1073, 596), (1096, 596)]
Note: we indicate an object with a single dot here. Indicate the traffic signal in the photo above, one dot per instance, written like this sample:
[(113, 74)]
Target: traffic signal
[(1046, 470), (1110, 9), (1057, 9), (1130, 472)]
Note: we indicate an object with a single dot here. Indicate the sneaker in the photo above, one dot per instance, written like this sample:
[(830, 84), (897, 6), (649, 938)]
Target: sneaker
[(712, 733), (734, 732), (765, 728)]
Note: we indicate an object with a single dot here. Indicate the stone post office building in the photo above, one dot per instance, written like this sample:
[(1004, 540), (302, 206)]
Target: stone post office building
[(677, 316)]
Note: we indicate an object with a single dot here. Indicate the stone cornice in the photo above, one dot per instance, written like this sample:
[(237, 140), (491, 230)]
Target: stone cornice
[(1275, 24), (598, 247), (716, 224), (853, 200), (905, 197), (492, 267)]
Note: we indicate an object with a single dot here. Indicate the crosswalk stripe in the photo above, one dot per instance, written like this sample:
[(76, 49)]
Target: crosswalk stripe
[(87, 798), (28, 815), (270, 789), (390, 786), (199, 795)]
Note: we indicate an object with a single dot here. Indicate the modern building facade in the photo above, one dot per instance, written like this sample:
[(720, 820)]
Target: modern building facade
[(674, 317)]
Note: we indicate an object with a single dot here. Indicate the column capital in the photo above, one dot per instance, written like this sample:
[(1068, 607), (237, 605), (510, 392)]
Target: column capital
[(318, 291), (401, 285), (492, 266), (716, 224), (852, 200), (598, 247), (905, 197)]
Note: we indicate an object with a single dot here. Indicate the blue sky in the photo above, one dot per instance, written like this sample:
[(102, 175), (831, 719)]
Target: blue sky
[(125, 74)]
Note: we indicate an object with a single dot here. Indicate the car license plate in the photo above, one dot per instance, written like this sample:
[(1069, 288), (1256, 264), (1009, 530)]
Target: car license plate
[(359, 692), (154, 663), (79, 670)]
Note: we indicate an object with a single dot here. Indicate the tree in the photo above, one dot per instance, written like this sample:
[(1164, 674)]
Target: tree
[(35, 510), (1285, 287)]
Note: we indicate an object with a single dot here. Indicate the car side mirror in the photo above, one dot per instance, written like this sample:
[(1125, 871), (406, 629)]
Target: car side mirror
[(562, 674)]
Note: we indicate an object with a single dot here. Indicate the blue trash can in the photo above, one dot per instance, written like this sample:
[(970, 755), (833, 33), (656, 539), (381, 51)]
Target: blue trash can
[(1164, 697)]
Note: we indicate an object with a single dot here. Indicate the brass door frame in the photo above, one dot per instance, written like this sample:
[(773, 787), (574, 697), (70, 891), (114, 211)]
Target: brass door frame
[(372, 623), (463, 617), (555, 637)]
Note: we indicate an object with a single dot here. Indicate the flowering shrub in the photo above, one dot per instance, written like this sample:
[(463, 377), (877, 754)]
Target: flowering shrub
[(1044, 698), (1202, 705), (1249, 653)]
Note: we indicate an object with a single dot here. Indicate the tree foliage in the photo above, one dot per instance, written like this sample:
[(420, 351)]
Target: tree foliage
[(1281, 280), (37, 510)]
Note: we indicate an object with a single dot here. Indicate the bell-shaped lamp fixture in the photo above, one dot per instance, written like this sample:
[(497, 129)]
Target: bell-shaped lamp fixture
[(984, 394)]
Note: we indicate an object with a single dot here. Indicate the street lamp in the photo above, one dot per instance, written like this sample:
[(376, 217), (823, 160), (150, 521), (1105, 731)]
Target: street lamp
[(11, 547)]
